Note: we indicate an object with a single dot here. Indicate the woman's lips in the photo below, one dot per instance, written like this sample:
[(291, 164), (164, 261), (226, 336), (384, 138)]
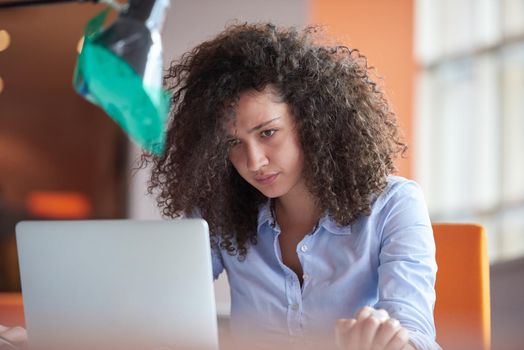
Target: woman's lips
[(266, 180)]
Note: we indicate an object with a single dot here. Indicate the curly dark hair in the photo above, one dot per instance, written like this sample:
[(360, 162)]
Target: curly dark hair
[(347, 131)]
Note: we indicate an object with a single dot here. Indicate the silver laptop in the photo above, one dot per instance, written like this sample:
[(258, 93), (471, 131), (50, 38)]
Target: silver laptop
[(117, 284)]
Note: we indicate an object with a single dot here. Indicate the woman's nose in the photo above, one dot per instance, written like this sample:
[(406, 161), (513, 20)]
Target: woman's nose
[(256, 158)]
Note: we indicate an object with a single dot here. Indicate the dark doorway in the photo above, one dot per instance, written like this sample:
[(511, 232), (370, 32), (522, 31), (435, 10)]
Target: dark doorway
[(60, 156)]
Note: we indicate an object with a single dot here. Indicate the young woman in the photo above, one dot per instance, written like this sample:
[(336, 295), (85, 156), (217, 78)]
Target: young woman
[(286, 147)]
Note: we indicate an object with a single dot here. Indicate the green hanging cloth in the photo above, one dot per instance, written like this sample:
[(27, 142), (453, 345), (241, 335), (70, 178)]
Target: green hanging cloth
[(103, 75)]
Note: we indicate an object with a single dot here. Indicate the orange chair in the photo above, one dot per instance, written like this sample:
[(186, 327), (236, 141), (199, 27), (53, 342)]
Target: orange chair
[(462, 308), (11, 310)]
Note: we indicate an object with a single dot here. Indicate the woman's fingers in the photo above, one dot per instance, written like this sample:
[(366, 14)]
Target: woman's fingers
[(387, 331), (371, 329), (368, 311), (399, 340), (380, 314), (368, 330), (364, 329), (342, 330), (364, 313), (370, 320), (15, 335)]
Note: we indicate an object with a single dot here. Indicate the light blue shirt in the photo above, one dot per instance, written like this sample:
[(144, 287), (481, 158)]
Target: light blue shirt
[(385, 260)]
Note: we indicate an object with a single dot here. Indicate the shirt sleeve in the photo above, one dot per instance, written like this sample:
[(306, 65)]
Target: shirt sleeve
[(407, 266), (216, 260), (216, 257)]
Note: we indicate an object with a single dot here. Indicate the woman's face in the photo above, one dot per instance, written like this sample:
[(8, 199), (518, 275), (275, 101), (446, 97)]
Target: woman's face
[(264, 145)]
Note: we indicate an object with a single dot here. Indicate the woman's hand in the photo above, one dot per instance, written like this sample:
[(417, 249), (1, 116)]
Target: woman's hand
[(371, 330), (12, 338)]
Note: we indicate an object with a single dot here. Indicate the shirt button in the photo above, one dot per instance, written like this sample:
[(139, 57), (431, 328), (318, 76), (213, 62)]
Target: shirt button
[(304, 248), (305, 277), (295, 307)]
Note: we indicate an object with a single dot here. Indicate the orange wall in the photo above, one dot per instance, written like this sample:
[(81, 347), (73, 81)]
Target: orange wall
[(383, 31)]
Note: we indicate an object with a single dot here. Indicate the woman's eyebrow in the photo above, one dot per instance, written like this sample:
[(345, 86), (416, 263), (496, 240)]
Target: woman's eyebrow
[(260, 126)]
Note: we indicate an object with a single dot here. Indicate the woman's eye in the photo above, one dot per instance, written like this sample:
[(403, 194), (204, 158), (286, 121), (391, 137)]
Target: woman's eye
[(268, 133), (233, 142)]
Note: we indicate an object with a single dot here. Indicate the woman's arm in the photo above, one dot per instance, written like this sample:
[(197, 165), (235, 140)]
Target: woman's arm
[(407, 267)]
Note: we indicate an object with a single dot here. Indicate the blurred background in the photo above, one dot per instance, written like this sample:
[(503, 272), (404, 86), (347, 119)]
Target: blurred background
[(452, 70)]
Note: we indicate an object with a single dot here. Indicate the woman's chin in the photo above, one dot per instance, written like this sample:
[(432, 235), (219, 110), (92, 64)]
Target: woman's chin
[(270, 193)]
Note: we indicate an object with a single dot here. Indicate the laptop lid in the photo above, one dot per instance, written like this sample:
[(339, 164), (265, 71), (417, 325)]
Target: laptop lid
[(131, 284)]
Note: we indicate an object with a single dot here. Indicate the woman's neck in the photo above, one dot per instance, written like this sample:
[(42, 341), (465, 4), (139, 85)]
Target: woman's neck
[(298, 210)]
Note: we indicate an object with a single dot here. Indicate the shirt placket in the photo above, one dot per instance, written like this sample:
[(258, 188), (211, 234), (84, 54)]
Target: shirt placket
[(292, 290), (304, 249)]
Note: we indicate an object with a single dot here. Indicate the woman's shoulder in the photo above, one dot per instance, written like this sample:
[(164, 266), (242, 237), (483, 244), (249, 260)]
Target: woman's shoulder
[(400, 205), (396, 183), (398, 189)]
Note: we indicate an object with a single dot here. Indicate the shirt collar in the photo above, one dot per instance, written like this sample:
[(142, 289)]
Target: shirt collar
[(332, 226), (326, 221), (264, 214)]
